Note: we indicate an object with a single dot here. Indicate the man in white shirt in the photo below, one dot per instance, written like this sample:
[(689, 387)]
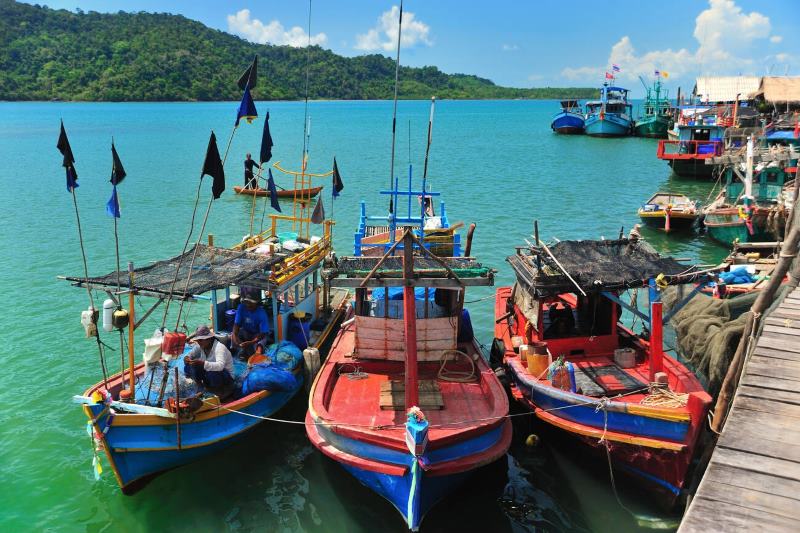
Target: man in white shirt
[(209, 363)]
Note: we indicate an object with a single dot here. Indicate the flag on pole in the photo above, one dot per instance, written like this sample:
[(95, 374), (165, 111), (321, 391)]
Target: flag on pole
[(266, 142), (615, 67), (338, 185), (69, 160), (273, 193), (318, 216), (117, 170), (664, 74), (249, 77), (609, 76), (212, 166), (112, 206), (247, 108), (657, 73)]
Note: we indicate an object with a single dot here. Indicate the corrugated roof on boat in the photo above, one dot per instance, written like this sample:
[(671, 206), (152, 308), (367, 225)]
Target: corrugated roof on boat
[(596, 266), (777, 89), (214, 268), (725, 88)]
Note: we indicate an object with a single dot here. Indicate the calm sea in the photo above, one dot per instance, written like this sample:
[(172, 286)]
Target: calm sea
[(498, 165)]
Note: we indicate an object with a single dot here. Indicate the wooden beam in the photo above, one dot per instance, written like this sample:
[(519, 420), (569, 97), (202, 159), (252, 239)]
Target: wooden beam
[(440, 283)]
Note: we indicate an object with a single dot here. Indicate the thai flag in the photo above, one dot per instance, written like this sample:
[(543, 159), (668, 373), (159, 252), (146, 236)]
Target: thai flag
[(657, 73), (615, 68)]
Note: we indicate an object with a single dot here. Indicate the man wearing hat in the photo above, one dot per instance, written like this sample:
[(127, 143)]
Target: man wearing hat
[(209, 363), (251, 326)]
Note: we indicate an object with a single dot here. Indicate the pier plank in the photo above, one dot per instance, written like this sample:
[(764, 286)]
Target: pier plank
[(777, 354), (781, 384), (753, 480), (709, 515), (753, 391), (751, 499)]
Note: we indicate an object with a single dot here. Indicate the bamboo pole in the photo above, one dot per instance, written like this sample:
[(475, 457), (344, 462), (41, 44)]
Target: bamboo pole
[(131, 327)]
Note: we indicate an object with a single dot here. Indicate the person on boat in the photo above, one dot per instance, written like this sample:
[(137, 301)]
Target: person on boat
[(427, 201), (250, 326), (249, 182), (209, 363)]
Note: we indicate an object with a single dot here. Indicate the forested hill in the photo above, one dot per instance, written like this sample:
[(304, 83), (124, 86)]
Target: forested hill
[(48, 54)]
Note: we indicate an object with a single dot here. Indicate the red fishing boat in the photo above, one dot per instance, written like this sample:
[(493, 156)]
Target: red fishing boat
[(575, 365)]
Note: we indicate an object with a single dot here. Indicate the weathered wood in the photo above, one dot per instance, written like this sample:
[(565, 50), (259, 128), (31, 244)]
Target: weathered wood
[(751, 499), (773, 383), (780, 342), (774, 353), (445, 283), (782, 329), (392, 395), (751, 391), (757, 463), (706, 515)]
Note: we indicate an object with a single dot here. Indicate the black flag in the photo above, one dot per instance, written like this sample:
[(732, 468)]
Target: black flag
[(117, 170), (318, 216), (273, 193), (338, 186), (266, 143), (69, 160), (213, 167), (249, 77)]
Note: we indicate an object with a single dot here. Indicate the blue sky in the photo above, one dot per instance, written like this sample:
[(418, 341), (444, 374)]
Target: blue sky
[(522, 43)]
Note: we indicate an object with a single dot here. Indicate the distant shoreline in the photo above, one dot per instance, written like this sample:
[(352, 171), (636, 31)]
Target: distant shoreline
[(257, 100)]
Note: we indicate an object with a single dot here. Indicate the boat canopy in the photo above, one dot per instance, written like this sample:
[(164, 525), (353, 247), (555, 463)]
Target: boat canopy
[(596, 266), (570, 104), (439, 272), (213, 268)]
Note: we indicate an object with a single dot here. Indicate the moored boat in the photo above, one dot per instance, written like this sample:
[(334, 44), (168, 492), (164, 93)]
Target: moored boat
[(285, 193), (569, 120), (611, 115), (656, 116), (669, 211), (581, 371)]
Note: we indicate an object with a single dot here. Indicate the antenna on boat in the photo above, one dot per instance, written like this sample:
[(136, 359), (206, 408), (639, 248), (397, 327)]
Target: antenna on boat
[(430, 139), (394, 114)]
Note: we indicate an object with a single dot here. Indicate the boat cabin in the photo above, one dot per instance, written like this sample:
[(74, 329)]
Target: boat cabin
[(571, 106)]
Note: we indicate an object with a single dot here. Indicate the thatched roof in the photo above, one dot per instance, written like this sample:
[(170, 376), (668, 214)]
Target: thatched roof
[(776, 89)]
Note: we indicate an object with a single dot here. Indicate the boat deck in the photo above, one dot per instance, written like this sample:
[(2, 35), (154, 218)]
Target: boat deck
[(753, 479)]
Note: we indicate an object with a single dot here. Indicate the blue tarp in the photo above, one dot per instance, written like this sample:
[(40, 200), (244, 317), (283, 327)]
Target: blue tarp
[(264, 376), (396, 293), (285, 355), (737, 276)]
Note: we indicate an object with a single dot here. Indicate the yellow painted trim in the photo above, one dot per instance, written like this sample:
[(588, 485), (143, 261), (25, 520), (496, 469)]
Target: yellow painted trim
[(132, 419), (659, 413), (609, 435)]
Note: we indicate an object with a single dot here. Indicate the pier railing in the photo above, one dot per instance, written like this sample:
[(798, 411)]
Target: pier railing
[(688, 149)]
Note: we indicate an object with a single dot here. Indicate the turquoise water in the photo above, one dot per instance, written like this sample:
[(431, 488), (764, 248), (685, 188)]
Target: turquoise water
[(497, 162)]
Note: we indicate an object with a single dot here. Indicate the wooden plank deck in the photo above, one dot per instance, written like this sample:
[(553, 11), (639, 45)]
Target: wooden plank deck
[(752, 482)]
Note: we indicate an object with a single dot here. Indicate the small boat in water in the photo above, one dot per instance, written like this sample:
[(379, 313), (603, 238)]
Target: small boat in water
[(669, 212), (581, 371), (656, 116), (611, 115), (570, 119), (745, 269), (284, 193)]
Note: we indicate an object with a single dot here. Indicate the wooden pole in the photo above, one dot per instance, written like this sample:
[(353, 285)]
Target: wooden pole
[(177, 409), (656, 340), (470, 232), (131, 328), (410, 323)]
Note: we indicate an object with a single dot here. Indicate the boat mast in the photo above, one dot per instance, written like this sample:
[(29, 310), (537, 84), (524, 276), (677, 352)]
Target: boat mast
[(394, 113)]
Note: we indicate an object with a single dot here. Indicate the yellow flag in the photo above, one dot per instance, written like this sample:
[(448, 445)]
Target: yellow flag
[(665, 74)]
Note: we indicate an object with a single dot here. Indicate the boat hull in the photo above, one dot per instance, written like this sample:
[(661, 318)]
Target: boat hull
[(568, 124), (288, 193), (610, 126), (726, 226), (653, 127), (658, 219), (691, 168), (413, 485), (140, 447)]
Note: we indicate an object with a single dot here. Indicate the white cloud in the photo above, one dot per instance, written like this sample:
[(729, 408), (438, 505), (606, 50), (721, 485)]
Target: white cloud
[(725, 38), (384, 35), (274, 33), (510, 47), (775, 39)]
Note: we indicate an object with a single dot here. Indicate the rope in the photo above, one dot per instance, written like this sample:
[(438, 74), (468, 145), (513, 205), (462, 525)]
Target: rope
[(602, 407), (663, 397), (455, 376)]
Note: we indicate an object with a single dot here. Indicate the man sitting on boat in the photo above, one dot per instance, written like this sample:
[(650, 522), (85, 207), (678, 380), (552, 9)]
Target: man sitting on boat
[(251, 326), (209, 363), (249, 180)]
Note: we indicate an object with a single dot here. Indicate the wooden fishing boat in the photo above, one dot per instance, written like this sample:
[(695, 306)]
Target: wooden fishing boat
[(699, 139), (584, 373), (569, 120), (669, 212), (656, 116), (611, 115), (405, 402), (284, 193), (745, 269)]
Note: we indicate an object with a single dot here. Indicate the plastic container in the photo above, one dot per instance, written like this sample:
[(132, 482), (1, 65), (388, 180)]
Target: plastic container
[(299, 331), (625, 357), (563, 377), (174, 343), (230, 317), (287, 236), (538, 362)]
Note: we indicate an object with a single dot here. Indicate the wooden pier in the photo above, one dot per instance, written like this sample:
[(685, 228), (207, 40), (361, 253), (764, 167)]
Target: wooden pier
[(753, 479)]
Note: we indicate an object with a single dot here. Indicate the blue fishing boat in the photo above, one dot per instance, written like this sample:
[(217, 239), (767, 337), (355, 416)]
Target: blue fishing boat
[(569, 120), (611, 115), (405, 401)]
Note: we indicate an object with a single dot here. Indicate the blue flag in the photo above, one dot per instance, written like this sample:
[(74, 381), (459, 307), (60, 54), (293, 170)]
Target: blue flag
[(273, 193), (247, 109), (112, 206)]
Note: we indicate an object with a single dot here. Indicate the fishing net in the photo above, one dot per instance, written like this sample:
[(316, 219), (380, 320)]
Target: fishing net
[(213, 268), (707, 331), (393, 266), (595, 266)]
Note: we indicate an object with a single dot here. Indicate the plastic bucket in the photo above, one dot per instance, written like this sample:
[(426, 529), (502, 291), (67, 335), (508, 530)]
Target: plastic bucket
[(230, 317)]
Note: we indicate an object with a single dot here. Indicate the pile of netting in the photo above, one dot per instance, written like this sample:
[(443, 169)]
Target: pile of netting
[(600, 265), (707, 331)]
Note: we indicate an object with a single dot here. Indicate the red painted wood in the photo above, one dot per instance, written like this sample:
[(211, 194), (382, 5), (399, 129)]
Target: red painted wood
[(410, 323), (656, 340)]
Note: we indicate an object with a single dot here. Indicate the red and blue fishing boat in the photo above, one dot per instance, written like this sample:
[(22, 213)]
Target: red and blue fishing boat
[(611, 115), (569, 120), (581, 371)]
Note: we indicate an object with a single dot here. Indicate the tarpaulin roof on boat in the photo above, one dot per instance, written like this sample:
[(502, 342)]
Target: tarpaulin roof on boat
[(596, 266), (352, 270), (213, 268), (779, 89)]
